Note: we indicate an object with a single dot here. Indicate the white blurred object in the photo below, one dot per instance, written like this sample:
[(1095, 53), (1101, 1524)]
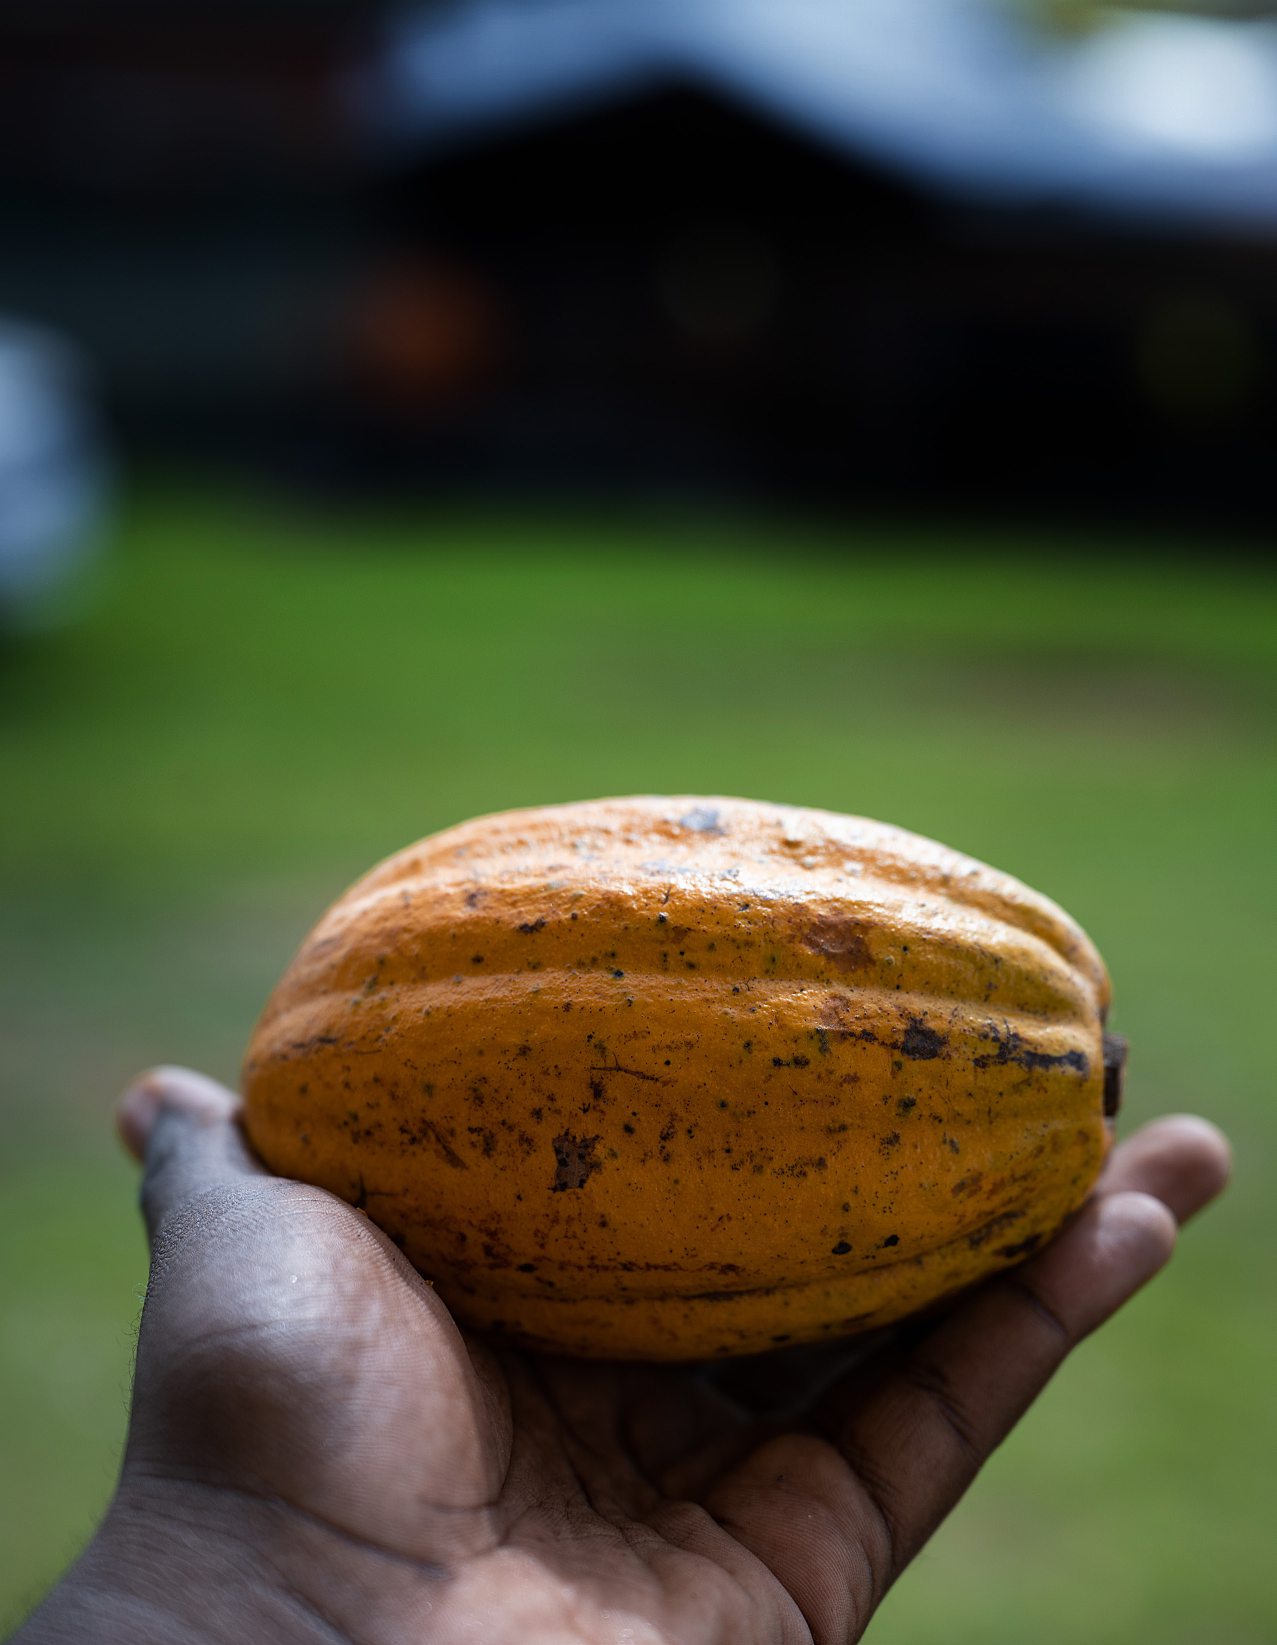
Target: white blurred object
[(1196, 85), (1156, 115), (55, 474)]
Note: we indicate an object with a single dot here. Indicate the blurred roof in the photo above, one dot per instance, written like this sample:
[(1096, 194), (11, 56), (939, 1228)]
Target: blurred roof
[(1167, 117)]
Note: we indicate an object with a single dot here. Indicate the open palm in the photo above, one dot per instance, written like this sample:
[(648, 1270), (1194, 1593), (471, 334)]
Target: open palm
[(327, 1456)]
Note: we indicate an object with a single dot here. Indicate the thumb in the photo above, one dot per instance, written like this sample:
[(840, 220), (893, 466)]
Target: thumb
[(185, 1129)]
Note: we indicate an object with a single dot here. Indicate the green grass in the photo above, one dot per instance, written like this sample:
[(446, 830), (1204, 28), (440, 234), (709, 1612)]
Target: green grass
[(258, 705)]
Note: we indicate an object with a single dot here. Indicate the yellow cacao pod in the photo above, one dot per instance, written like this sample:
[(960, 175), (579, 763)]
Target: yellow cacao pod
[(668, 1078)]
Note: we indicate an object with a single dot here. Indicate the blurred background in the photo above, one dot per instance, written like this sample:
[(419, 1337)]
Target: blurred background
[(410, 412)]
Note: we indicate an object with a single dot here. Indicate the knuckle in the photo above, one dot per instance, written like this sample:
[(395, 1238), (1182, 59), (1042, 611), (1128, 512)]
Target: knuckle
[(930, 1381), (202, 1223), (1041, 1310), (883, 1534)]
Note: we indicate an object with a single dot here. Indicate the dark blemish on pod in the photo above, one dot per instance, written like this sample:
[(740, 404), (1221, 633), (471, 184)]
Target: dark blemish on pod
[(527, 1267), (981, 1236), (574, 1161), (799, 1168), (531, 926), (792, 1062), (616, 1068), (906, 1105), (920, 1042), (429, 1129), (1022, 1248), (1013, 1049), (841, 1249), (891, 1239), (487, 1139), (841, 941)]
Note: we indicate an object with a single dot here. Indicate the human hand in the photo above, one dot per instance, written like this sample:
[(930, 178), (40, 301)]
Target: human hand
[(318, 1453)]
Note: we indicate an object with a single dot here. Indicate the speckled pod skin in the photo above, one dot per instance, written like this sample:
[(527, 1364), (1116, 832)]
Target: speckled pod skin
[(671, 1078)]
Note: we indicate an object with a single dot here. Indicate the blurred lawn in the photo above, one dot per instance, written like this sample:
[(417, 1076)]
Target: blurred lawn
[(260, 705)]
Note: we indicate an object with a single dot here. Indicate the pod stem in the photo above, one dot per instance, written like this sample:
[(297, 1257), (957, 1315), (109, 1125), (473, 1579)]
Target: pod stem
[(1114, 1070)]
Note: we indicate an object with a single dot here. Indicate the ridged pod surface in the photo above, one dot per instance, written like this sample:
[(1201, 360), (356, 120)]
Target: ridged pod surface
[(668, 1078)]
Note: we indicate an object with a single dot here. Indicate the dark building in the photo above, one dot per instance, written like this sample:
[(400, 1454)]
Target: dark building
[(666, 286)]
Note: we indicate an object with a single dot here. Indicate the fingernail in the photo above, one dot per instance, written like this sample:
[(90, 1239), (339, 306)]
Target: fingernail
[(136, 1110), (171, 1088)]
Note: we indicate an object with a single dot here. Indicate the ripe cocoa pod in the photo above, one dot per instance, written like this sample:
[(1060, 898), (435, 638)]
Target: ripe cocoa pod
[(670, 1078)]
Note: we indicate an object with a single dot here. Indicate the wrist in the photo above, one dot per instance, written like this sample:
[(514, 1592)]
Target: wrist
[(171, 1562)]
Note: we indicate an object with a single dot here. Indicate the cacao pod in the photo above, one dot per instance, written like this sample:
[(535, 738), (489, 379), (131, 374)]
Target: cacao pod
[(670, 1078)]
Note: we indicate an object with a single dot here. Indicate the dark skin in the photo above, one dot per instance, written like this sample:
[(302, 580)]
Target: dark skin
[(318, 1454)]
